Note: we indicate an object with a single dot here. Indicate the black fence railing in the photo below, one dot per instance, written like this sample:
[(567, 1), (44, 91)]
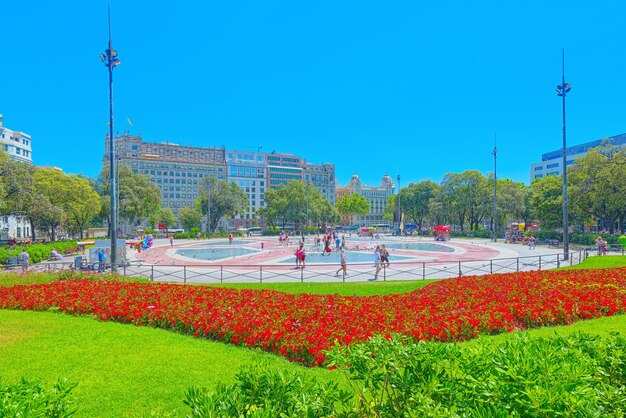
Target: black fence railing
[(211, 273)]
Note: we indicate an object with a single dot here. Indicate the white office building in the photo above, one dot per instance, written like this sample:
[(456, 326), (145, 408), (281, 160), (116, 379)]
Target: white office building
[(16, 144), (552, 162)]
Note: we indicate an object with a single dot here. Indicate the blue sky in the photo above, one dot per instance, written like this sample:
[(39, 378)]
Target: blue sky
[(416, 88)]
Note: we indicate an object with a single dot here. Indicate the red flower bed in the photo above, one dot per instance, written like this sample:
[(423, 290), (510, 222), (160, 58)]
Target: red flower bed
[(301, 327)]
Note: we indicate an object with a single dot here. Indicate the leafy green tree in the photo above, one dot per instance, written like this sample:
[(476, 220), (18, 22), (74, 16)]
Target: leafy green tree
[(164, 215), (466, 196), (597, 186), (226, 199), (138, 197), (546, 201), (189, 217), (351, 205), (288, 205), (16, 181), (82, 204), (513, 202), (415, 199)]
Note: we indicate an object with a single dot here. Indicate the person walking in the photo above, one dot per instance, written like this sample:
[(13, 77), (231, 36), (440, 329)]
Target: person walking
[(376, 263), (171, 240), (343, 263), (384, 256), (24, 260), (101, 260)]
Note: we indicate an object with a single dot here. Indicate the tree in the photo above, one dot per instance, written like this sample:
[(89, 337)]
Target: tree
[(415, 199), (138, 197), (52, 192), (82, 204), (16, 181), (189, 217), (513, 202), (466, 196), (546, 201), (226, 199), (289, 203), (165, 216), (597, 186), (353, 204)]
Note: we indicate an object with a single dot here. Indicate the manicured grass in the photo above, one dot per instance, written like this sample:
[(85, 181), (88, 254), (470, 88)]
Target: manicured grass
[(344, 289), (122, 370), (595, 262)]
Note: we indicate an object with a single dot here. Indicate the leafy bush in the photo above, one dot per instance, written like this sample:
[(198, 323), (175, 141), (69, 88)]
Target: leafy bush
[(578, 374), (262, 392), (28, 398), (37, 252), (589, 238), (574, 375), (622, 241)]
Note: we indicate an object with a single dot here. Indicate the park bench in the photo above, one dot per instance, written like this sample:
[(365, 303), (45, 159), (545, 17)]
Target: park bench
[(554, 243), (12, 262)]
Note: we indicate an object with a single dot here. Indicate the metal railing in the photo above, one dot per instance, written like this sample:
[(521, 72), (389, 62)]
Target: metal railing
[(212, 273)]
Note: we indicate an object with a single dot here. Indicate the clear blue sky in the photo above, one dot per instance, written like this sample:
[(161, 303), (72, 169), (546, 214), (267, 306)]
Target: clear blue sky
[(416, 88)]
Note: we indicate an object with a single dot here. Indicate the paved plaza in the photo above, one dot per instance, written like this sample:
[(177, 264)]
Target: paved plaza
[(264, 259)]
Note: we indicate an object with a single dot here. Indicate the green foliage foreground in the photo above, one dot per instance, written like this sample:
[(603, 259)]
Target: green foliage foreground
[(28, 398), (575, 375)]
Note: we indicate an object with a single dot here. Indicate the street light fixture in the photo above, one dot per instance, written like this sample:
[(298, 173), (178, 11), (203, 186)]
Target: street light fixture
[(495, 182), (399, 207), (109, 58), (562, 90)]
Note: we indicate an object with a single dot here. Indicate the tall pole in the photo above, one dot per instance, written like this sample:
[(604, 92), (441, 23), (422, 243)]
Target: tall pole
[(495, 183), (208, 225), (399, 206), (562, 90), (111, 61), (307, 204)]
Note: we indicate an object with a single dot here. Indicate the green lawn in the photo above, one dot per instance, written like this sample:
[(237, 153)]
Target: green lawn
[(124, 370), (596, 262), (345, 289)]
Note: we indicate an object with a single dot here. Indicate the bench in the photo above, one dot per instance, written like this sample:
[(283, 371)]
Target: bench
[(554, 243)]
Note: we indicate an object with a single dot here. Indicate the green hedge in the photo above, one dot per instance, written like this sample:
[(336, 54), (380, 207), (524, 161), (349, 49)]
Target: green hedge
[(37, 252), (561, 376), (28, 398)]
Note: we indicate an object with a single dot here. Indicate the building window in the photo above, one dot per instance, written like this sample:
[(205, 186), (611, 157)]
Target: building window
[(538, 168), (553, 165)]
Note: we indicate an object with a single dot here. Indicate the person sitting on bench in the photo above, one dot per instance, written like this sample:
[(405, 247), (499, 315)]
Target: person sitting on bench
[(56, 255)]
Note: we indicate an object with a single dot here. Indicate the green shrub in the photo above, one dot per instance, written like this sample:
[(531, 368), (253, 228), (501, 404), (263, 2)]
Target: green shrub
[(573, 375), (37, 252), (622, 241), (261, 392), (28, 398)]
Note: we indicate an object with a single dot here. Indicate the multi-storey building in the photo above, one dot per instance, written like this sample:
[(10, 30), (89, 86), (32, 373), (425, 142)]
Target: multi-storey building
[(177, 170), (322, 178), (552, 162), (283, 168), (16, 144), (248, 170), (377, 197)]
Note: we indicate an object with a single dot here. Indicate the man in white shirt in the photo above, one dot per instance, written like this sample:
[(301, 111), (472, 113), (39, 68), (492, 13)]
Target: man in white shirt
[(376, 262)]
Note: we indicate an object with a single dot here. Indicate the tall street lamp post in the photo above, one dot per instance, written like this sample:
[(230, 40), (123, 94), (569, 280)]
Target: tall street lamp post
[(399, 207), (495, 183), (562, 90), (109, 58)]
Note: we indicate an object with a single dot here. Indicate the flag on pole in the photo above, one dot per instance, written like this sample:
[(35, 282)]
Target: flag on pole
[(129, 122)]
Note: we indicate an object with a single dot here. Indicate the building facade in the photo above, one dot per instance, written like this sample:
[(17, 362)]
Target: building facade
[(552, 162), (322, 178), (177, 170), (248, 170), (14, 226), (377, 197), (16, 144)]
